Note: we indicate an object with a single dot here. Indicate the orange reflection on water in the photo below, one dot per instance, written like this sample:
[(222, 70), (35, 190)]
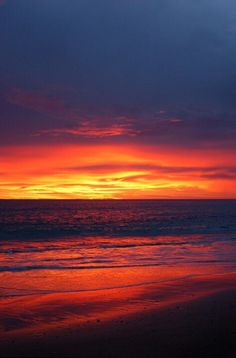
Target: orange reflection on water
[(103, 294)]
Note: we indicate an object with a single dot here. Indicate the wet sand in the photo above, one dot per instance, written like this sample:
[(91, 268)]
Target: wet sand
[(190, 317)]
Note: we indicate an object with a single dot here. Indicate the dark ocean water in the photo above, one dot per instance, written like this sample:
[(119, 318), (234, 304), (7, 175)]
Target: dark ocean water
[(65, 240), (39, 219)]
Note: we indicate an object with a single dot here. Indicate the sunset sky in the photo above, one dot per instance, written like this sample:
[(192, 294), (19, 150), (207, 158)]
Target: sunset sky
[(117, 99)]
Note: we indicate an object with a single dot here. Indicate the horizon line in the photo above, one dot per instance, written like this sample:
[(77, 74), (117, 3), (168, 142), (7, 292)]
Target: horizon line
[(108, 199)]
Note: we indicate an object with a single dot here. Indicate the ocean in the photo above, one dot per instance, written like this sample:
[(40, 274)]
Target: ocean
[(53, 246)]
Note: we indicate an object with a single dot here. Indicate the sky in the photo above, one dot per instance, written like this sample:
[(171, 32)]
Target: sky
[(117, 99)]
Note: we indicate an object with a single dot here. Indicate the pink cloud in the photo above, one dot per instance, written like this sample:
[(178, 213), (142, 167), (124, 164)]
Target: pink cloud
[(80, 123), (91, 129)]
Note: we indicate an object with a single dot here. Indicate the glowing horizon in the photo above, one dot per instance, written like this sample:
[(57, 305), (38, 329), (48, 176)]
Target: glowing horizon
[(112, 172)]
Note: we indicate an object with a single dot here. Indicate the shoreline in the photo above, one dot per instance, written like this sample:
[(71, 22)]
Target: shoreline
[(177, 316)]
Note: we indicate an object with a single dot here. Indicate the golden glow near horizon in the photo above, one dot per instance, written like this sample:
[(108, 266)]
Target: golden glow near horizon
[(104, 172)]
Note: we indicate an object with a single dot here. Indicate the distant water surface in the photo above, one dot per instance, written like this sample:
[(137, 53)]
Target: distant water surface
[(53, 246)]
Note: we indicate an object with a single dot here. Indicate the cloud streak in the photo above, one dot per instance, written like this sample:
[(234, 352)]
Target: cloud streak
[(219, 172), (91, 129)]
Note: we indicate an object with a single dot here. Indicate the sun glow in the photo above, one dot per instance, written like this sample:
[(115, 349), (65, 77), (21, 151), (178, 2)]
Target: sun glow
[(102, 172)]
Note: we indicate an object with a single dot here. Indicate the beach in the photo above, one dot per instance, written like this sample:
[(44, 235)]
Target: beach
[(192, 317)]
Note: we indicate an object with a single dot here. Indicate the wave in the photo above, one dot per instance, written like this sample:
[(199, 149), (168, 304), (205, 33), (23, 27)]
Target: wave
[(208, 240), (36, 234), (96, 267)]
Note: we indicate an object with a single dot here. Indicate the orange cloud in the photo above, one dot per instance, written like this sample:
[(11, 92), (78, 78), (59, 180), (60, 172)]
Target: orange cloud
[(113, 171)]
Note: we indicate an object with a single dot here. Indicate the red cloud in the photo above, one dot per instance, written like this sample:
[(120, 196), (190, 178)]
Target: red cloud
[(93, 127), (90, 129)]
